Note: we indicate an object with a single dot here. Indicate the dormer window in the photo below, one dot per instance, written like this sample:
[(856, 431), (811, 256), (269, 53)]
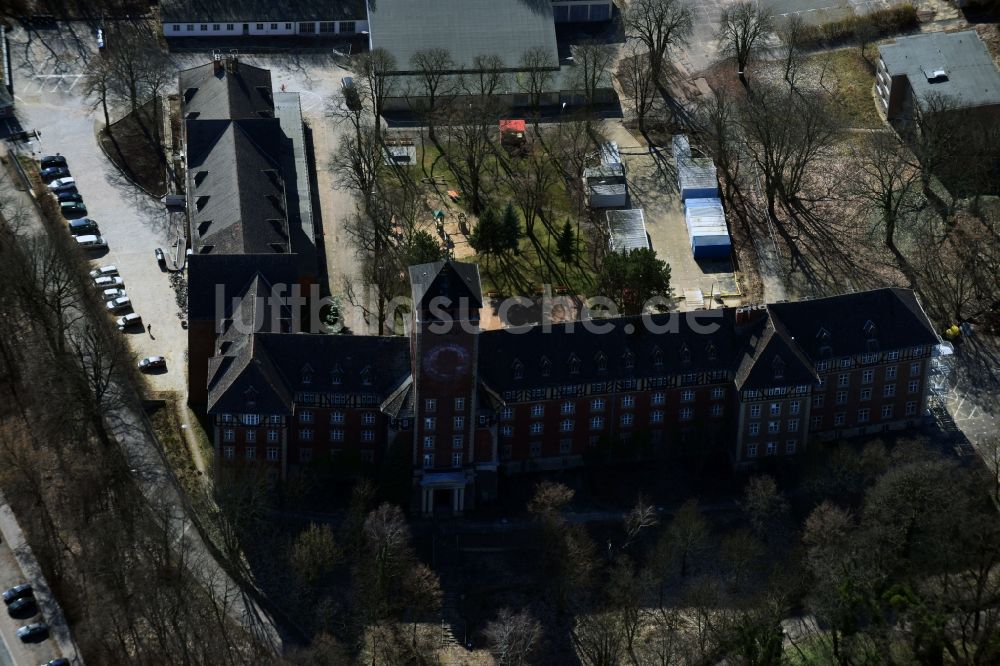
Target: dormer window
[(657, 357), (366, 375), (602, 361), (685, 354), (546, 366), (778, 366), (518, 368), (200, 176), (201, 202), (823, 335), (250, 395), (307, 374), (710, 351), (870, 329), (574, 364), (336, 375), (203, 227), (628, 358)]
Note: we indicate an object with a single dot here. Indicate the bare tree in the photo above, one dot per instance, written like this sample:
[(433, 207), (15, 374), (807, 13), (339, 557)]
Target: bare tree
[(599, 638), (744, 28), (486, 77), (791, 34), (591, 69), (435, 71), (660, 25), (469, 145), (513, 637), (537, 70), (884, 180), (635, 75), (375, 69)]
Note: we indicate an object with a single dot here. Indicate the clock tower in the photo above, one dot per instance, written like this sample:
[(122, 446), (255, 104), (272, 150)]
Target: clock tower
[(444, 340)]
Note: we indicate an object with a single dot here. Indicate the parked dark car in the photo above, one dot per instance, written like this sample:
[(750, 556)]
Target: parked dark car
[(160, 259), (61, 661), (51, 173), (71, 209), (33, 632), (56, 160), (17, 592), (82, 226), (152, 363), (23, 607), (69, 195)]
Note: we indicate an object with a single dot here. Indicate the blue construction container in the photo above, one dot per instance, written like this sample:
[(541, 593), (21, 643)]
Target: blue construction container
[(707, 228), (696, 178)]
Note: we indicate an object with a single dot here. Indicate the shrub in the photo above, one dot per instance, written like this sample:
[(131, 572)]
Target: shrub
[(883, 23)]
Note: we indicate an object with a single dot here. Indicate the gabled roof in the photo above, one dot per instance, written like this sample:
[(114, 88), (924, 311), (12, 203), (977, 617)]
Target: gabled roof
[(899, 322), (400, 402), (221, 90), (773, 360), (449, 279), (245, 379), (236, 193), (215, 280)]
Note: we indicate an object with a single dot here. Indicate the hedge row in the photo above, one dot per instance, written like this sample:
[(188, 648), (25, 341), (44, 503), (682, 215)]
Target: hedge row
[(881, 23)]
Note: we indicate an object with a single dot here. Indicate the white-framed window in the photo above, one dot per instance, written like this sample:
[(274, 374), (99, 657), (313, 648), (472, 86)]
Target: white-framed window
[(817, 422), (457, 441), (755, 411), (228, 452), (274, 26), (368, 418), (506, 431), (272, 453), (537, 409), (717, 393), (260, 26), (250, 453), (506, 414), (913, 386), (914, 369), (790, 447), (250, 419), (892, 356), (843, 380), (793, 407), (367, 435), (428, 442), (336, 418), (839, 418), (867, 376), (272, 435), (754, 429), (536, 428), (716, 410), (887, 411), (866, 394), (459, 422), (336, 435), (204, 27), (821, 384), (656, 416), (841, 397), (535, 450), (772, 448), (775, 408), (228, 435), (327, 26), (596, 422), (864, 414), (628, 401), (597, 405), (430, 423), (751, 450), (889, 391), (456, 460), (566, 425), (686, 413), (307, 28), (288, 26), (229, 27), (305, 435), (793, 425), (428, 460), (911, 408), (430, 405), (347, 27), (274, 419), (251, 435), (687, 395), (567, 407), (890, 372), (846, 362), (774, 426), (216, 27), (459, 404), (190, 27), (627, 419), (658, 398), (306, 416)]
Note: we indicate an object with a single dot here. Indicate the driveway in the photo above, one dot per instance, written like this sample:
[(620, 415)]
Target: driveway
[(48, 69)]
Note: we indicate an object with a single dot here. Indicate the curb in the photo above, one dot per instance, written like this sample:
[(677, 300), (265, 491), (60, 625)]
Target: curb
[(59, 629)]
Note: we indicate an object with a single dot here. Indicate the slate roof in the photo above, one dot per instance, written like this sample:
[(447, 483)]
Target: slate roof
[(245, 379), (899, 322), (217, 91), (448, 279), (466, 28), (971, 77), (228, 275), (653, 354), (236, 192), (256, 11), (400, 403), (774, 360)]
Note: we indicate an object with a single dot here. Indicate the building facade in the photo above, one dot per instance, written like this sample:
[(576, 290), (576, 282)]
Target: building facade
[(464, 405), (221, 19)]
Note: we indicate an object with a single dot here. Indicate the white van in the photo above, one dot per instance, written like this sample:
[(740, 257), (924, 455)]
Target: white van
[(91, 242)]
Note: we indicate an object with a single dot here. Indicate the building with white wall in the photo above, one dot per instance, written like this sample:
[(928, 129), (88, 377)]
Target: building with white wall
[(224, 18)]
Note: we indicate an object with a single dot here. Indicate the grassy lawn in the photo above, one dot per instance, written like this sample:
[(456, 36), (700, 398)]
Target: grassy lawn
[(851, 79)]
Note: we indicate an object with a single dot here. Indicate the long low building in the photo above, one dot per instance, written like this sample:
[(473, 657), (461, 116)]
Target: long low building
[(214, 19)]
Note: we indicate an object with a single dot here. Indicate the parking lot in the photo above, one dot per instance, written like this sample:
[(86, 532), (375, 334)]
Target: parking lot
[(13, 652)]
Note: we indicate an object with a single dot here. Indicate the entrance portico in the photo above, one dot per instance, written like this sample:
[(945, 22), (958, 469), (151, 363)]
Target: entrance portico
[(450, 484)]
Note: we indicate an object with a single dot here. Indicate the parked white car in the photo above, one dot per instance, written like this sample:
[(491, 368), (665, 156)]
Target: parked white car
[(108, 282), (104, 271), (119, 304), (62, 182), (113, 293), (91, 242), (131, 319)]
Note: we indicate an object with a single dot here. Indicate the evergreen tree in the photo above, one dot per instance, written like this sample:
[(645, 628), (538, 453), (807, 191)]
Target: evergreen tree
[(511, 226), (423, 249), (566, 244), (486, 238), (630, 279)]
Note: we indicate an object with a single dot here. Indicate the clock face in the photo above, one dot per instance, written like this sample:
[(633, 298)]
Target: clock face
[(446, 362)]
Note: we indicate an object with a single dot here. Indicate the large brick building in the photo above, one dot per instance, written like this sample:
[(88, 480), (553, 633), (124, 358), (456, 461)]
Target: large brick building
[(462, 405), (468, 404)]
